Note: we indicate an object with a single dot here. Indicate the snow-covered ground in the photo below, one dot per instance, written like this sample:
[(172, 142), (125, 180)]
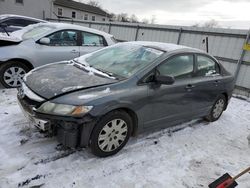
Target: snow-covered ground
[(190, 157)]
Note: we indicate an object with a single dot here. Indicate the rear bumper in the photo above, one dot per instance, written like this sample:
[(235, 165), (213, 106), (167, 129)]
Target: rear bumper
[(70, 131)]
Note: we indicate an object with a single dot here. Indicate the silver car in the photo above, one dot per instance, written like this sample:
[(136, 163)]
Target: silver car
[(45, 43)]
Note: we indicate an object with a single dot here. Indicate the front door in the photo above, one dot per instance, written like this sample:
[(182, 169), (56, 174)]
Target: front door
[(63, 46), (172, 104)]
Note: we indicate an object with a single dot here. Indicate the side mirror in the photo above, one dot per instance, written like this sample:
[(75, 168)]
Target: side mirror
[(166, 80), (44, 40)]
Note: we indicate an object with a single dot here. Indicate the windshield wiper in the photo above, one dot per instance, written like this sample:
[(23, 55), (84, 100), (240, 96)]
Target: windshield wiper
[(116, 76), (87, 66), (81, 63), (106, 72), (3, 26)]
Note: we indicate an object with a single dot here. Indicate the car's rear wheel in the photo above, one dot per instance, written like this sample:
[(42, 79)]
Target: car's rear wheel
[(12, 73), (217, 109), (111, 133)]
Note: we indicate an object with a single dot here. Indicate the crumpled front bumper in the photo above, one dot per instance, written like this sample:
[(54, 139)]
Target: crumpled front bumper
[(70, 131)]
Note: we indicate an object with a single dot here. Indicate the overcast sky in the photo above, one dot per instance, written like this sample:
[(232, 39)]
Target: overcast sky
[(229, 13)]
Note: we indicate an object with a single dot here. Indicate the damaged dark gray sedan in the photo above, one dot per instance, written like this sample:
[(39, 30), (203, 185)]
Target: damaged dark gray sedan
[(101, 99)]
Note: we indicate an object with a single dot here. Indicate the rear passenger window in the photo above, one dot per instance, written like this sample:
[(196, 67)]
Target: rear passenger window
[(180, 66), (63, 38), (90, 39), (206, 66)]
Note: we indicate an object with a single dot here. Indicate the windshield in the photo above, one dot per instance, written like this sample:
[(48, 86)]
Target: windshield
[(123, 60), (36, 31)]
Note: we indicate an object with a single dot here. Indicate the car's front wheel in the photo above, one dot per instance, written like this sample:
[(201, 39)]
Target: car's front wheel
[(12, 73), (217, 109), (111, 133)]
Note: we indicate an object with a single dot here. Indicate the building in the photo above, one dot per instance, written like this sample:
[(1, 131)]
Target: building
[(80, 11), (43, 9), (40, 9)]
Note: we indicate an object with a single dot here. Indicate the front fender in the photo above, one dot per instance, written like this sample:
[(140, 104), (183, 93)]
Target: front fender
[(113, 105)]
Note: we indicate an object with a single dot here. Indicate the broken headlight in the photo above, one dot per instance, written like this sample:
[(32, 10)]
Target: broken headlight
[(63, 109)]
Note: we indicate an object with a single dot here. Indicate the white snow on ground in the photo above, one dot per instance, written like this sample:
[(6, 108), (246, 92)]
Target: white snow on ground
[(191, 157)]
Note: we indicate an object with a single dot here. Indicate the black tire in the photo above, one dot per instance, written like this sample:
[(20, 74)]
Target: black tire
[(212, 116), (105, 120), (6, 66)]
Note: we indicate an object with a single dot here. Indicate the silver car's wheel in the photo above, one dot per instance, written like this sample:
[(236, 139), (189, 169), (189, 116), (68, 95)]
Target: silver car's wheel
[(13, 76), (112, 135), (218, 108), (12, 73)]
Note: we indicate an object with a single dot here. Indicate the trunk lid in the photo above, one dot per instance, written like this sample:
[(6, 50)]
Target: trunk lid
[(6, 40)]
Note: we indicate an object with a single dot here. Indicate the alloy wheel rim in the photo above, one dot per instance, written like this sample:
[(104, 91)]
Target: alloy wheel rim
[(218, 108), (112, 135), (13, 76)]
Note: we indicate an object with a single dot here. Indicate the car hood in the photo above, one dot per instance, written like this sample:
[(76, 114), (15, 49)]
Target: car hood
[(57, 79)]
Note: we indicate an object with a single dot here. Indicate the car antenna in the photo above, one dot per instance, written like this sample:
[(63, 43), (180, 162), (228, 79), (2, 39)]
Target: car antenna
[(3, 26)]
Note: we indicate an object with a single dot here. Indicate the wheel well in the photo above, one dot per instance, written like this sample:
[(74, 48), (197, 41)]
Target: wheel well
[(25, 62), (134, 117), (226, 96)]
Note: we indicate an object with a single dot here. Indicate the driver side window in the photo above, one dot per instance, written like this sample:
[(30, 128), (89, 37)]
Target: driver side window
[(181, 66), (63, 38)]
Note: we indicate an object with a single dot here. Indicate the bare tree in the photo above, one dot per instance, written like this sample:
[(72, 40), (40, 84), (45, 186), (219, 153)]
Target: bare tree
[(211, 24), (145, 21), (94, 3), (112, 17), (133, 18), (123, 17), (153, 19), (196, 25)]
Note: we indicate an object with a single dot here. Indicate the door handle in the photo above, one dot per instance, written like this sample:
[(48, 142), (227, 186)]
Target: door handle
[(189, 86), (74, 52), (216, 82)]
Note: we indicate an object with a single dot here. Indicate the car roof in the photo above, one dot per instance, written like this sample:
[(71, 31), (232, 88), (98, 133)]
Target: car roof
[(4, 16), (60, 26), (167, 47)]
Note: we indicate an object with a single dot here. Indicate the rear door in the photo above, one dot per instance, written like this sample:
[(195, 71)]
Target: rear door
[(64, 45), (208, 83), (91, 42)]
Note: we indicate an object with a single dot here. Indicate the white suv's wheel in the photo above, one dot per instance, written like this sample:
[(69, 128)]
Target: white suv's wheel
[(12, 73)]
